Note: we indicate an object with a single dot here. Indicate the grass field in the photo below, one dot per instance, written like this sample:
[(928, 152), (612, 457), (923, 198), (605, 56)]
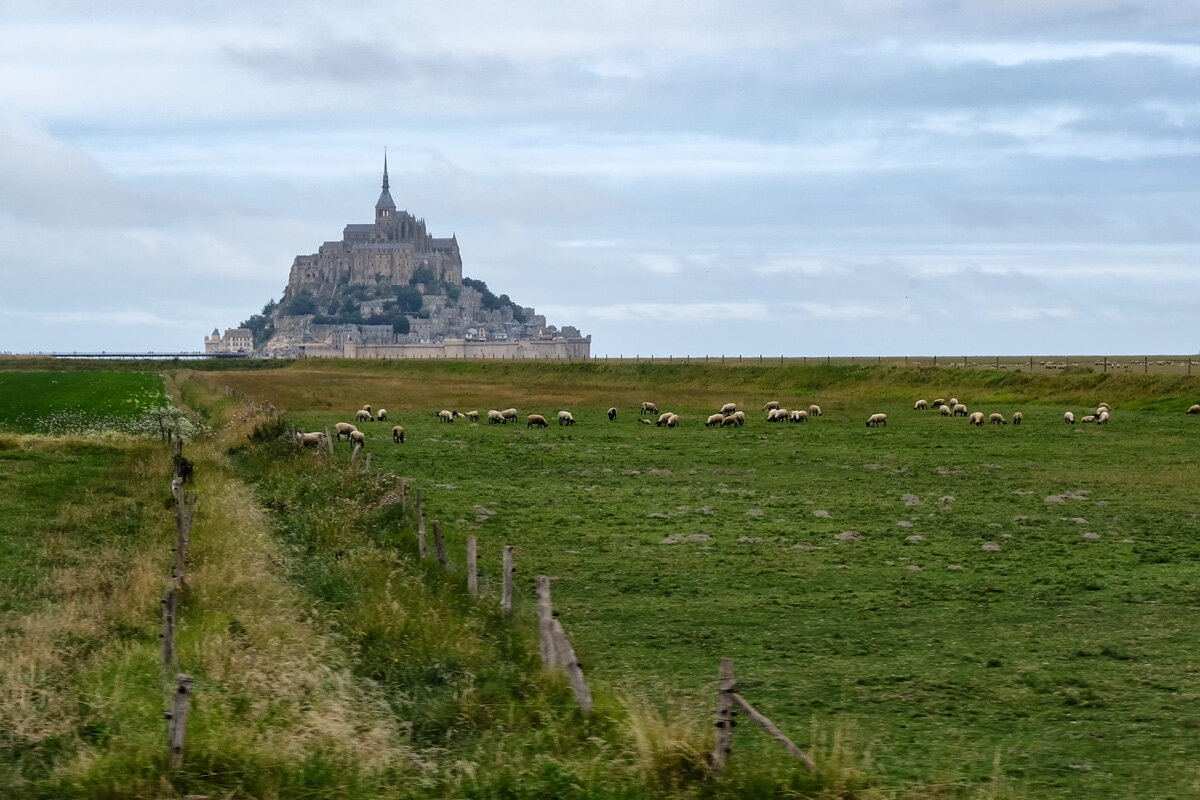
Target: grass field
[(1057, 665), (77, 402)]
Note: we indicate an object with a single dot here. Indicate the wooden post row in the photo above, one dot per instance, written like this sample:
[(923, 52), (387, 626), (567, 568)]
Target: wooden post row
[(506, 593), (177, 720), (472, 570)]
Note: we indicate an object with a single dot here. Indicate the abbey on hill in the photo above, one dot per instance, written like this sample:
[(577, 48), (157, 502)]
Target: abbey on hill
[(388, 289)]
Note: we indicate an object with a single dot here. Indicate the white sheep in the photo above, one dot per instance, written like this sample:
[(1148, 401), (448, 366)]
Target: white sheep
[(920, 405), (996, 419), (730, 422), (740, 416), (398, 435), (1102, 418), (729, 408), (509, 414), (715, 419), (939, 403), (959, 409), (612, 414), (944, 410), (814, 410), (649, 408), (445, 415), (644, 421), (382, 415), (473, 416), (1088, 418), (344, 429), (359, 438), (771, 404), (315, 439), (875, 420), (798, 415), (1017, 417), (1102, 410), (565, 418), (495, 417), (673, 421), (362, 415), (662, 418), (976, 419), (777, 414), (1194, 409), (1069, 418), (953, 401), (535, 421)]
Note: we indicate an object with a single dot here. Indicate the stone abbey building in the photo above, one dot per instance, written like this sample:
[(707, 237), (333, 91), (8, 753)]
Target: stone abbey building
[(368, 273)]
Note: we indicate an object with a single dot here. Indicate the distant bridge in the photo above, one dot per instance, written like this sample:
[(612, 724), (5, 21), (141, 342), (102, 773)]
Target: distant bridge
[(194, 354)]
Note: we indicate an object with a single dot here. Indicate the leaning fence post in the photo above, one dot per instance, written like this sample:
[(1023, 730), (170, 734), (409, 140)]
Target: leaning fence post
[(774, 732), (168, 634), (722, 743), (506, 592), (570, 663), (472, 572), (420, 524), (439, 543), (177, 720), (545, 623)]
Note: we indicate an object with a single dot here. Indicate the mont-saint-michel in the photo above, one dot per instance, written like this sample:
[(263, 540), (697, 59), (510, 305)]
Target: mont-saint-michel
[(389, 289)]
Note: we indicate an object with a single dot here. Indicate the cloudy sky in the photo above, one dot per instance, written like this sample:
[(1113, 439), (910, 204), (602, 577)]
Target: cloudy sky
[(779, 176)]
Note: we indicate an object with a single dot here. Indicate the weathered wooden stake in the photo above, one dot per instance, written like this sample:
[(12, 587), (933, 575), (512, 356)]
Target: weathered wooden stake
[(472, 570), (545, 623), (354, 455), (367, 465), (774, 732), (420, 524), (168, 632), (723, 740), (439, 544), (506, 593), (177, 720), (404, 494), (328, 442), (570, 663), (185, 510)]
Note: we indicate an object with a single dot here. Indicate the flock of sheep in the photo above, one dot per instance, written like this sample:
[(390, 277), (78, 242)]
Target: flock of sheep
[(729, 416)]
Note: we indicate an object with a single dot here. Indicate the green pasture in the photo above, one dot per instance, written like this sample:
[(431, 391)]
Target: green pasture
[(76, 402), (1059, 660)]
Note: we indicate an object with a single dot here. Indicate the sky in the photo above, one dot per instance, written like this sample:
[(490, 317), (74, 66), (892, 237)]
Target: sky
[(781, 177)]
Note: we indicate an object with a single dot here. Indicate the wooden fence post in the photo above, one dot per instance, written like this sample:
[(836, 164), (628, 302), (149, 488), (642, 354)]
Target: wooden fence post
[(177, 720), (774, 732), (507, 592), (472, 570), (328, 441), (570, 663), (545, 623), (354, 455), (723, 741), (404, 494), (168, 632), (420, 524), (367, 464), (185, 510), (439, 544)]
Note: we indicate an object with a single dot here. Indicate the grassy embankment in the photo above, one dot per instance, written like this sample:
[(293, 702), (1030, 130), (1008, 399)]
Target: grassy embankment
[(1053, 667)]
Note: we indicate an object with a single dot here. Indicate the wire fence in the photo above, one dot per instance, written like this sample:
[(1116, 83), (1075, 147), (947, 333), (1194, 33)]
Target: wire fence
[(1141, 364)]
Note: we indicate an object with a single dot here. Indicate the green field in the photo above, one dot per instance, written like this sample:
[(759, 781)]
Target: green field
[(1059, 661), (77, 402)]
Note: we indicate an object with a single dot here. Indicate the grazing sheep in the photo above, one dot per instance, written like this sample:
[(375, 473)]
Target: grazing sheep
[(509, 414), (740, 416), (344, 429), (536, 420), (1069, 418), (730, 422), (771, 404), (315, 439), (1102, 418), (814, 410), (1105, 406), (649, 408), (799, 415), (445, 416), (777, 414), (976, 419), (729, 408), (398, 435), (612, 414), (1017, 417), (996, 419), (1088, 418), (953, 401), (944, 410), (1194, 409), (960, 410), (495, 417), (662, 418), (673, 421), (382, 415), (644, 421), (920, 405), (368, 407), (359, 438), (939, 403), (362, 415), (565, 418), (875, 420), (459, 415), (473, 416), (715, 419)]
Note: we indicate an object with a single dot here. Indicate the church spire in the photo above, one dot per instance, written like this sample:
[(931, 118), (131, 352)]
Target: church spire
[(385, 207)]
